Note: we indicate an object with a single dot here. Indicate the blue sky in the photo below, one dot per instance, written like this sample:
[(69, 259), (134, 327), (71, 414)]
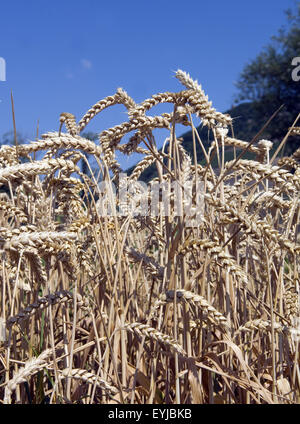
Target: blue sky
[(64, 56)]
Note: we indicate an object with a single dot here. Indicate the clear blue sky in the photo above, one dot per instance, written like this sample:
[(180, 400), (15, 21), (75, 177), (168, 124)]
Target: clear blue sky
[(64, 56)]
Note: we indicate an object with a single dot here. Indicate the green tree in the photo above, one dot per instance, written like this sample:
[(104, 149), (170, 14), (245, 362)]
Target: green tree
[(9, 138), (267, 81)]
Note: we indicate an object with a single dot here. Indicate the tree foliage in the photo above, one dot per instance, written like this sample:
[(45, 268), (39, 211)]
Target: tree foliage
[(9, 138), (267, 80)]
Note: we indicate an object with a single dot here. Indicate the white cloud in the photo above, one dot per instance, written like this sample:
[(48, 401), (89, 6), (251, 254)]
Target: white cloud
[(86, 64), (69, 75)]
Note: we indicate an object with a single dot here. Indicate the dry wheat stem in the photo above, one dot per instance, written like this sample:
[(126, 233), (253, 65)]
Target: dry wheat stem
[(128, 298)]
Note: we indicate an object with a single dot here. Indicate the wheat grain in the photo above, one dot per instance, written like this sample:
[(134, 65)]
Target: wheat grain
[(42, 303), (152, 333), (31, 367), (87, 377), (130, 292)]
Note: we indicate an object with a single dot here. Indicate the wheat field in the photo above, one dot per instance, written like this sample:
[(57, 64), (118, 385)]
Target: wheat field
[(155, 296)]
